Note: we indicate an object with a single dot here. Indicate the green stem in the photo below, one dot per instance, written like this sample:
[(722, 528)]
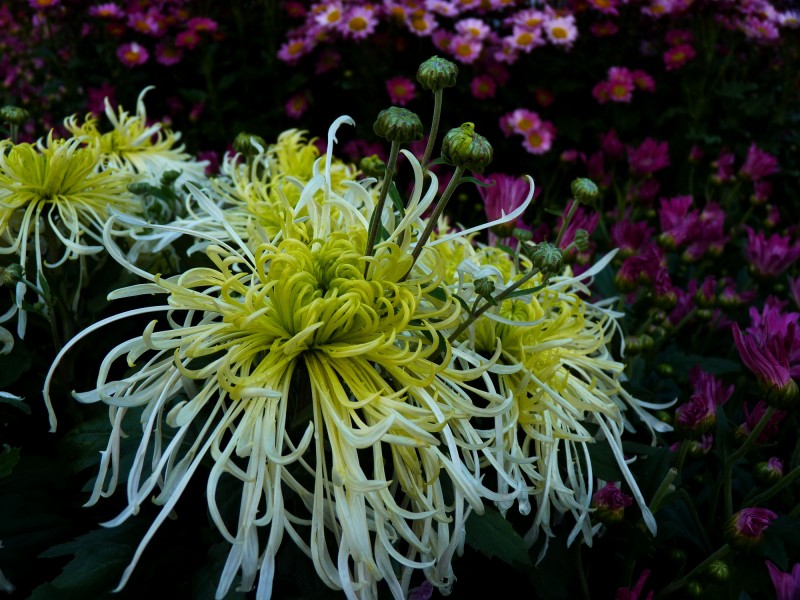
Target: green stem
[(676, 585), (434, 218), (497, 300), (695, 517), (376, 214), (776, 487), (437, 113), (727, 470), (567, 219)]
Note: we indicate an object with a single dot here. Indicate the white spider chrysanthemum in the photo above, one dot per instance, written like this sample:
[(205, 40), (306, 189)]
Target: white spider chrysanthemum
[(53, 198), (334, 388), (147, 150), (322, 380), (564, 381)]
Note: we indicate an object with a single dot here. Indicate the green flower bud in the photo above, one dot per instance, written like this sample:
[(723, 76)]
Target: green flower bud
[(140, 188), (462, 147), (582, 240), (437, 73), (484, 287), (665, 369), (695, 589), (783, 397), (169, 177), (770, 471), (719, 571), (372, 166), (585, 190), (11, 274), (677, 555), (522, 234), (14, 115), (547, 257), (398, 125), (246, 144)]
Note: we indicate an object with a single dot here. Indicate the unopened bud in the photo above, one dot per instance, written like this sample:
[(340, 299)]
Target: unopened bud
[(398, 124), (746, 528), (11, 274), (169, 177), (547, 257), (719, 571), (14, 115), (770, 471), (695, 589), (609, 503), (484, 287), (372, 166), (249, 145), (784, 396), (437, 73), (585, 191), (522, 234), (582, 240), (462, 147), (140, 188)]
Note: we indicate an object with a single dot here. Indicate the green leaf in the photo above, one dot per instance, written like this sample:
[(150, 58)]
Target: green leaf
[(12, 366), (478, 182), (493, 535), (394, 195), (604, 464), (98, 563), (782, 532), (9, 458)]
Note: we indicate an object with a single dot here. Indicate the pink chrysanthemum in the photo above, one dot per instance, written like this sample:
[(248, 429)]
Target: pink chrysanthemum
[(422, 23), (524, 38), (620, 84), (608, 7), (483, 87), (540, 139), (107, 10), (330, 14), (650, 156), (358, 23), (40, 4), (294, 49), (202, 24), (519, 121), (149, 23), (187, 39), (475, 28), (168, 54), (297, 105), (561, 31), (401, 90), (677, 56), (758, 164), (132, 54), (465, 49)]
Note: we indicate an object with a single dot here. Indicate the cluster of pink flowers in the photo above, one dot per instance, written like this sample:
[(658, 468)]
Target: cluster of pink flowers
[(498, 30), (680, 49), (620, 84), (537, 134), (161, 27)]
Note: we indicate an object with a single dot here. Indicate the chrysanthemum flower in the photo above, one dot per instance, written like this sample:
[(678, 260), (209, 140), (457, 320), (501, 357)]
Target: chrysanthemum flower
[(141, 148), (52, 198), (557, 367), (132, 54), (322, 380)]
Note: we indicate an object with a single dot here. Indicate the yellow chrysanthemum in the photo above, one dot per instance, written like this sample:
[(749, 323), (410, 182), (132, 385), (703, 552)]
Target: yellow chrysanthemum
[(257, 194), (134, 145), (564, 381), (322, 380), (53, 197)]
